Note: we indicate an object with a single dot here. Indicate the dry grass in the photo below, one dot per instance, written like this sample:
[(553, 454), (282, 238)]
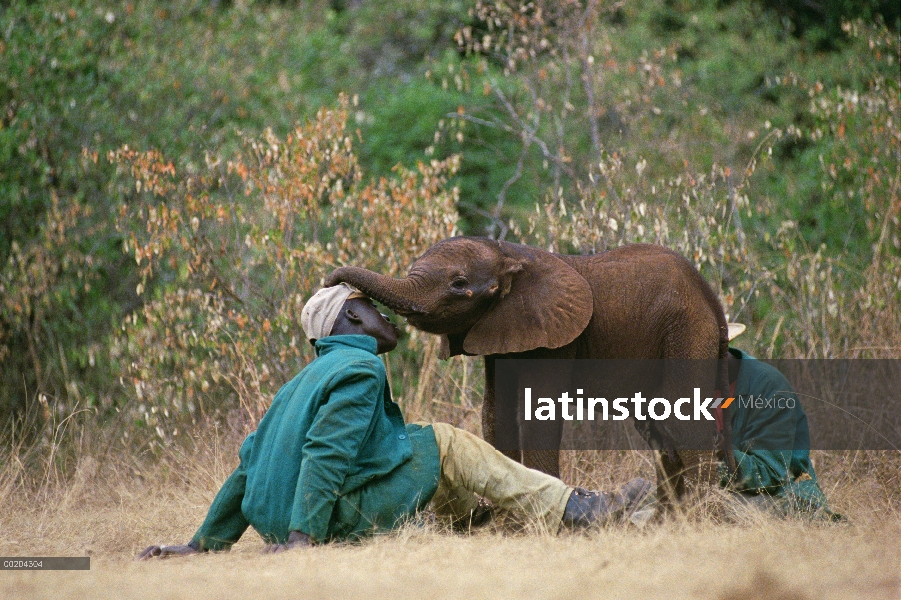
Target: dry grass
[(97, 496), (112, 508), (116, 501), (101, 497), (772, 562)]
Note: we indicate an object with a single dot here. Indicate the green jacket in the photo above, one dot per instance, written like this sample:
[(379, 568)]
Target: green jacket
[(332, 457), (772, 443)]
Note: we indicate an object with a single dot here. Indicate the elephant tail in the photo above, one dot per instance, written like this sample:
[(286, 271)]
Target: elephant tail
[(722, 384), (722, 371)]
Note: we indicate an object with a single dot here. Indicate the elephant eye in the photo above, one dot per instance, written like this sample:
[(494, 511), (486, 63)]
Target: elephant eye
[(459, 283)]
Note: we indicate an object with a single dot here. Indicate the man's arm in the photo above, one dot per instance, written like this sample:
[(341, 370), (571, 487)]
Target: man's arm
[(166, 551), (760, 470), (333, 443), (296, 539), (224, 523)]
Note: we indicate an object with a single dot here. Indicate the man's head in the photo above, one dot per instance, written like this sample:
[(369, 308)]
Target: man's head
[(343, 310)]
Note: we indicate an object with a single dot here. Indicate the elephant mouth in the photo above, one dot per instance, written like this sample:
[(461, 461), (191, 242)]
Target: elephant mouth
[(429, 323), (408, 311)]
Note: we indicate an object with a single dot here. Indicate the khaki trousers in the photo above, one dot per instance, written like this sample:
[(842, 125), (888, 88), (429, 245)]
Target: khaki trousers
[(471, 466)]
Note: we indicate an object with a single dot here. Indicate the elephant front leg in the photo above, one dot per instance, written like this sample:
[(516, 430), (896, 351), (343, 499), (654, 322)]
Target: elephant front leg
[(540, 439), (546, 461), (506, 436), (488, 429)]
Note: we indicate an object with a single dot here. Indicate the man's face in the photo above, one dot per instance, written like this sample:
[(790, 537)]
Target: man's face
[(367, 320)]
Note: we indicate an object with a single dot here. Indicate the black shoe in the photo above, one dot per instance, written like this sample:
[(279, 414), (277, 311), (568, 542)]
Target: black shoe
[(479, 516), (586, 508)]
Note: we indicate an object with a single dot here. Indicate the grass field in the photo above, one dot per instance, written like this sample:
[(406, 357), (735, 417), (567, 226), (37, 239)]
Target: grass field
[(113, 507), (774, 561)]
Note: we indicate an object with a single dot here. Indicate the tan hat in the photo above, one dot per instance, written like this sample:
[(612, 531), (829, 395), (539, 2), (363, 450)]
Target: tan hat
[(735, 330), (321, 311)]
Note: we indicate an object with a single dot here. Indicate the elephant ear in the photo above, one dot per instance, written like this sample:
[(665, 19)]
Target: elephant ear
[(547, 306)]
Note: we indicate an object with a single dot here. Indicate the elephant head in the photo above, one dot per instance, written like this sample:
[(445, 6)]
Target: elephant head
[(484, 296)]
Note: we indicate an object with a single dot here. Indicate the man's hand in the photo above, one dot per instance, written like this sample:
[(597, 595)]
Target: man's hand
[(296, 539), (165, 552)]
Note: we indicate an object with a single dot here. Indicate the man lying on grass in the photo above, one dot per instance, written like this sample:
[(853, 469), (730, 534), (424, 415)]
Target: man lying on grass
[(333, 460), (771, 447)]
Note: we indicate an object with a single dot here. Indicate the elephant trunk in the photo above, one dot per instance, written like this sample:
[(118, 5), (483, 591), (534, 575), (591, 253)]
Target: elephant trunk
[(397, 294)]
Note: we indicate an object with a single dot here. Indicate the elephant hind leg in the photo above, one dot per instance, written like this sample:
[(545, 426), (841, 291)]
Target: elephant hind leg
[(696, 360), (690, 475)]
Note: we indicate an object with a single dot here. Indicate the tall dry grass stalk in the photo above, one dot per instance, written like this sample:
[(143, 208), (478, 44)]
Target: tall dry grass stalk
[(115, 506)]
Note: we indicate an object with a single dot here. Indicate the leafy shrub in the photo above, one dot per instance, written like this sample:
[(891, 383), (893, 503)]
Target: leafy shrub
[(180, 78), (242, 244), (628, 122), (805, 300)]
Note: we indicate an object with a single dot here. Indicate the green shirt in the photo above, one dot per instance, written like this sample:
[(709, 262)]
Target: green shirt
[(771, 443), (332, 457)]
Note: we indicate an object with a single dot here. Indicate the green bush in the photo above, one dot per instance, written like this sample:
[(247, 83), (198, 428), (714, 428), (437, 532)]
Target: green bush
[(244, 243), (587, 112)]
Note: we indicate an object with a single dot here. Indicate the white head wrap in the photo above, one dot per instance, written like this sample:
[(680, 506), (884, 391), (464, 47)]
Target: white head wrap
[(735, 330), (321, 311)]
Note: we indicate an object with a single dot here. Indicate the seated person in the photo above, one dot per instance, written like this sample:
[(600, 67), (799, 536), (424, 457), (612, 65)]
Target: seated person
[(332, 458), (771, 445)]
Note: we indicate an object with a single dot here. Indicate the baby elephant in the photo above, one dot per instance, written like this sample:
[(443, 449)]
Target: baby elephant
[(504, 300)]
